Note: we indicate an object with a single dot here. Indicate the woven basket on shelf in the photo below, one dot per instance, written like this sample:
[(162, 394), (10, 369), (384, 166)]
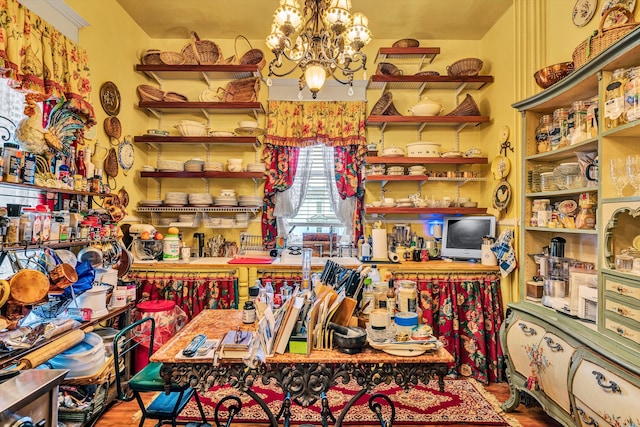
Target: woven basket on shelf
[(174, 97), (388, 69), (149, 93), (172, 58), (465, 67), (252, 56), (406, 43), (204, 52), (428, 73), (242, 90), (468, 107), (151, 57), (384, 106), (603, 38)]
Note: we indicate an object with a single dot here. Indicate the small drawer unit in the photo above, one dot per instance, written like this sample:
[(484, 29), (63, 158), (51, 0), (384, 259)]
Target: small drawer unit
[(622, 309), (603, 391)]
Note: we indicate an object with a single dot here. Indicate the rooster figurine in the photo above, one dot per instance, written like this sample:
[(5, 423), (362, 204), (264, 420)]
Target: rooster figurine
[(30, 131)]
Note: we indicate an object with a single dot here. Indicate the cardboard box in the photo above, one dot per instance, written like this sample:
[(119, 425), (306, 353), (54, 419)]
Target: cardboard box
[(535, 290), (298, 344)]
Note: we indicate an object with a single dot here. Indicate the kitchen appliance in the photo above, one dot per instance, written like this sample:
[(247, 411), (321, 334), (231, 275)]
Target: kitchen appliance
[(588, 303), (136, 230), (556, 282), (199, 243)]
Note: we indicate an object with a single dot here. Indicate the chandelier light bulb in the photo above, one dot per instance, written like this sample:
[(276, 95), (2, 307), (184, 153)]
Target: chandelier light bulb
[(315, 75), (288, 16), (275, 40)]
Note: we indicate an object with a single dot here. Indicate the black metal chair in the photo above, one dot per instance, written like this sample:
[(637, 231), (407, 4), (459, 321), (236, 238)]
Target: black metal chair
[(167, 405)]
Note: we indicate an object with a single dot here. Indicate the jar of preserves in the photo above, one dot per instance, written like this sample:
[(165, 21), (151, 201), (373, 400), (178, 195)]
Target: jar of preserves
[(586, 218), (632, 95), (535, 208), (559, 129), (407, 296), (614, 100), (544, 212), (542, 134)]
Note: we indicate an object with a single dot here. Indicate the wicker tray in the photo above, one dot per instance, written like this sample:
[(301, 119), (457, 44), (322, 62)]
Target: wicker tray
[(465, 67), (603, 38), (151, 57), (149, 93), (172, 58), (174, 97)]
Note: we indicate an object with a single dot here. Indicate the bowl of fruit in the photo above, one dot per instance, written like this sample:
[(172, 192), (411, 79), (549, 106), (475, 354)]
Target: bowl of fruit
[(147, 249)]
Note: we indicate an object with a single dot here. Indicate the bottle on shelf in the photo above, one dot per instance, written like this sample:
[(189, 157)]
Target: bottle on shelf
[(391, 300), (614, 99), (80, 166), (366, 251)]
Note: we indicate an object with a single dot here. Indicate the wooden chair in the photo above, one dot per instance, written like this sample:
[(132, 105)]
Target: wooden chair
[(166, 406)]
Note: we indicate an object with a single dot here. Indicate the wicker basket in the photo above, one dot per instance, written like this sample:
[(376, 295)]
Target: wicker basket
[(151, 57), (149, 93), (428, 73), (465, 67), (204, 52), (174, 97), (468, 107), (172, 58), (388, 69), (406, 43), (252, 56), (603, 38), (242, 90)]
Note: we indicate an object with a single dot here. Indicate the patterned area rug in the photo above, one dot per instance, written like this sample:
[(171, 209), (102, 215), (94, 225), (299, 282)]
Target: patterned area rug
[(464, 401)]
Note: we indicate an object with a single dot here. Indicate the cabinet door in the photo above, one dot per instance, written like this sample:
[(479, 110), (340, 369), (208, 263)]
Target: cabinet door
[(585, 417), (553, 376), (606, 389), (522, 338)]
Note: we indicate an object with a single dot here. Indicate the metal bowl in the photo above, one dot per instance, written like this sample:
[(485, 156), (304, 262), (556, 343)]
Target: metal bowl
[(552, 74)]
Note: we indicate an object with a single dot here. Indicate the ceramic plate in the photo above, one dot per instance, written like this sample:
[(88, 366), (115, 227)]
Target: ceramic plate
[(583, 11), (616, 17), (500, 167), (110, 98), (501, 195)]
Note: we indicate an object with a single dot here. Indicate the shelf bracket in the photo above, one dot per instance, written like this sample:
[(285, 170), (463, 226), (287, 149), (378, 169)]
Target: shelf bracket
[(421, 90), (207, 117), (159, 192), (420, 185), (154, 146), (384, 87), (459, 90), (256, 115), (421, 127), (157, 114), (155, 77), (207, 80), (383, 127)]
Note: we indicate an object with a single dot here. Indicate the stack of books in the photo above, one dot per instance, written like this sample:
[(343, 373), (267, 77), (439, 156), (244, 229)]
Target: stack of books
[(236, 344)]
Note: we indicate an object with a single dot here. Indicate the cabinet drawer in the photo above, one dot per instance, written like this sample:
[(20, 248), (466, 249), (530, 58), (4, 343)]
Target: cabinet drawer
[(586, 417), (623, 310), (609, 391), (622, 330), (557, 354), (521, 338), (622, 287)]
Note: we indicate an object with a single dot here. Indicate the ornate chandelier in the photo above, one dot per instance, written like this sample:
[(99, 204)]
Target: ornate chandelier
[(322, 39)]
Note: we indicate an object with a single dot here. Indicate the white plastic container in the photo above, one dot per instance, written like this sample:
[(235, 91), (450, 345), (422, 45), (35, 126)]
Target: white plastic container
[(171, 248), (95, 299), (83, 359)]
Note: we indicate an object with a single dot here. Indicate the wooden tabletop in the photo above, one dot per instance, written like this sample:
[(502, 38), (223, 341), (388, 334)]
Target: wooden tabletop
[(216, 323)]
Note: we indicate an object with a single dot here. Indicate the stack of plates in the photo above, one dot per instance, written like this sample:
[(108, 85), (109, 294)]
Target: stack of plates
[(194, 165), (200, 199), (225, 201), (244, 131), (255, 167), (170, 166), (214, 166), (176, 199), (250, 201), (395, 170), (150, 203), (242, 219)]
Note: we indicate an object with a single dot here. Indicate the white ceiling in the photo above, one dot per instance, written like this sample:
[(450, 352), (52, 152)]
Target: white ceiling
[(388, 19)]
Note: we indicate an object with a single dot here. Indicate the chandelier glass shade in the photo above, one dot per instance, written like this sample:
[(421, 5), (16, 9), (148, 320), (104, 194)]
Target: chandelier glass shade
[(322, 38)]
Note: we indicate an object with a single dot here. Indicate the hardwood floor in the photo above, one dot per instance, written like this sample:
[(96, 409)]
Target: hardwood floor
[(120, 414)]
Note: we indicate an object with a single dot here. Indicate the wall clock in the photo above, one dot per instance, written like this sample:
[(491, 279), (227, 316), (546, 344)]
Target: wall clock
[(110, 98), (126, 154)]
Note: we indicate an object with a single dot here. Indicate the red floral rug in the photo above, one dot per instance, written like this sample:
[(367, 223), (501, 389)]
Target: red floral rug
[(463, 401)]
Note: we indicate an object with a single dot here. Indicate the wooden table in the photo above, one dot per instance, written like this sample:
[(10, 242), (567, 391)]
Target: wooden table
[(306, 378)]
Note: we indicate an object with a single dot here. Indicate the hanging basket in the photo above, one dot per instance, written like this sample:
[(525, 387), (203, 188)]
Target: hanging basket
[(252, 56), (203, 52), (603, 38)]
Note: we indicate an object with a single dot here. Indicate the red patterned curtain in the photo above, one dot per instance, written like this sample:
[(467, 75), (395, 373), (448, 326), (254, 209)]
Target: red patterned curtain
[(192, 292), (465, 312), (297, 124), (38, 58)]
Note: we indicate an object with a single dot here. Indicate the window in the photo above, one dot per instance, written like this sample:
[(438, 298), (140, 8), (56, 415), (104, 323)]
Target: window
[(316, 214), (11, 104)]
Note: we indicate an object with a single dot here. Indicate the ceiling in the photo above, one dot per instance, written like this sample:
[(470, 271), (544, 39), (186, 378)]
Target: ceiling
[(391, 20)]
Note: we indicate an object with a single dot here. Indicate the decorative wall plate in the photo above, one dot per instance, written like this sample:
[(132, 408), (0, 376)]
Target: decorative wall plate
[(583, 11), (110, 98), (616, 17), (501, 195), (126, 154), (500, 167)]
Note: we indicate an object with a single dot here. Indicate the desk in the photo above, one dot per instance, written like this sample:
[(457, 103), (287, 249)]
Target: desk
[(305, 377)]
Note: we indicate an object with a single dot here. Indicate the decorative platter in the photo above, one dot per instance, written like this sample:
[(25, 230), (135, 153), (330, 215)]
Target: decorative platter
[(407, 348), (616, 17), (501, 195), (583, 11), (500, 167), (110, 98)]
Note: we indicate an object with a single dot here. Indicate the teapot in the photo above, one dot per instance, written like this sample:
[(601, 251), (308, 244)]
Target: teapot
[(426, 107)]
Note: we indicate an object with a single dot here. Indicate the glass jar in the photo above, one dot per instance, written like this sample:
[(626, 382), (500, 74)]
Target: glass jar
[(12, 162), (544, 212), (407, 296), (579, 129), (614, 100), (535, 208), (547, 182), (632, 95), (586, 218), (559, 129), (542, 134)]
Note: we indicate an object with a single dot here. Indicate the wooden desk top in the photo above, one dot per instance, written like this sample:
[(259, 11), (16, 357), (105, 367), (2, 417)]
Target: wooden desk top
[(216, 323)]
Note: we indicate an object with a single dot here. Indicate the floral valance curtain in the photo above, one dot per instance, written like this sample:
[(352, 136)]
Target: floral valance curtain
[(301, 124), (38, 58), (292, 125)]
